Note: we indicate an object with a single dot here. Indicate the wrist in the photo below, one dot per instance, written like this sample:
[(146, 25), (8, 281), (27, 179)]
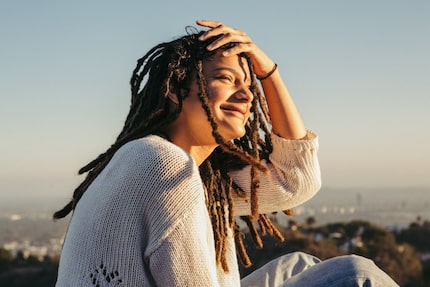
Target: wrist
[(268, 74)]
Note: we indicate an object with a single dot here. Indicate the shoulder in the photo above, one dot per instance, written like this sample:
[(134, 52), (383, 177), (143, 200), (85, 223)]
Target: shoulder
[(166, 180), (156, 171), (149, 163), (157, 162), (153, 153), (155, 147)]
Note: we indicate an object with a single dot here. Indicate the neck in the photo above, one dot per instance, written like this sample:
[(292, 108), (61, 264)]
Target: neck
[(199, 151)]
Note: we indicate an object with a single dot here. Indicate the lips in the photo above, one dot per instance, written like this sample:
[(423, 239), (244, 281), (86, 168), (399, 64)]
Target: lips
[(236, 108)]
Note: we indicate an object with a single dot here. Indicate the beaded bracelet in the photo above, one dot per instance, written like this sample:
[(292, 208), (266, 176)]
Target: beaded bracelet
[(268, 74)]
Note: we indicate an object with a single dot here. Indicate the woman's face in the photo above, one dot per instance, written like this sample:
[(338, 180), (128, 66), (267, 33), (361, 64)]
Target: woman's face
[(228, 87)]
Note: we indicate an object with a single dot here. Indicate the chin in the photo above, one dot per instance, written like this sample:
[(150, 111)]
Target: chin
[(232, 136), (241, 134)]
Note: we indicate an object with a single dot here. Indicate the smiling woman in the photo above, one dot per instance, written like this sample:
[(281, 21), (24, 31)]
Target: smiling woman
[(228, 86), (201, 146)]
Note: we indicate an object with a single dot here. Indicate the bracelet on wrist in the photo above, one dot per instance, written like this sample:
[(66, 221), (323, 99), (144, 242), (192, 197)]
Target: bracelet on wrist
[(268, 74)]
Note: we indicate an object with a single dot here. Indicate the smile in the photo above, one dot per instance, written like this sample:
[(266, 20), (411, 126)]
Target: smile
[(238, 111), (235, 108)]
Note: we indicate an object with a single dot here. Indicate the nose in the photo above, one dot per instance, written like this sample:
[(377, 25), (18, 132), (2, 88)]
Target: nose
[(244, 94)]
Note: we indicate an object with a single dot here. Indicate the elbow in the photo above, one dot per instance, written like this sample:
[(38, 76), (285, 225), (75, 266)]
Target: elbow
[(315, 186), (305, 186), (312, 184)]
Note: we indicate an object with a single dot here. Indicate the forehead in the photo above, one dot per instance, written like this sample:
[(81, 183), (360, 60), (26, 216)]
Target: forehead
[(235, 62)]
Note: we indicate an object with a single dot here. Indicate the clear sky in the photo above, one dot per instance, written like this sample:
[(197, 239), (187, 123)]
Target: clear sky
[(359, 72)]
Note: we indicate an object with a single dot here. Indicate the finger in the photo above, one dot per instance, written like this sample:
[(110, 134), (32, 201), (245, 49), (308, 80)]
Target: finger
[(216, 28), (243, 42), (226, 30), (227, 38), (239, 48), (208, 23), (213, 32)]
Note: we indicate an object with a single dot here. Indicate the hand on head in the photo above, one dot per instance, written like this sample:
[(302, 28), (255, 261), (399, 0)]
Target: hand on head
[(243, 44)]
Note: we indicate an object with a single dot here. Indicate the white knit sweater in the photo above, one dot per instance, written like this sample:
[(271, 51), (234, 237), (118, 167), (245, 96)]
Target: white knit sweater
[(143, 221)]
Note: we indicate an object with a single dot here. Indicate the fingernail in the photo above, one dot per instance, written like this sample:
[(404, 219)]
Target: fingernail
[(225, 53)]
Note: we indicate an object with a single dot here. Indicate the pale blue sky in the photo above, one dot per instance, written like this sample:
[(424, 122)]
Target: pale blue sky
[(358, 70)]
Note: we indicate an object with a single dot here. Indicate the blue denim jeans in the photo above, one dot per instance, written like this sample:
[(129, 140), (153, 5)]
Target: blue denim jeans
[(303, 270)]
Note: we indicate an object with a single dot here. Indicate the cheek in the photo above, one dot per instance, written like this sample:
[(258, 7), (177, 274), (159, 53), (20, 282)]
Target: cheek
[(218, 93)]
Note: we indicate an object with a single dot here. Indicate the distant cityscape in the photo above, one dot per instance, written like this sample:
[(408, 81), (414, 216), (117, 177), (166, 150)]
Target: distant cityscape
[(34, 234), (391, 208), (27, 227)]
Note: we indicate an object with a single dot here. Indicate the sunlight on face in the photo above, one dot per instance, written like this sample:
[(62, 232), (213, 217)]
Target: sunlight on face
[(228, 87)]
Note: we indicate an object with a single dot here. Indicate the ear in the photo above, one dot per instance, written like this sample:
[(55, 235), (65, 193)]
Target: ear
[(173, 97)]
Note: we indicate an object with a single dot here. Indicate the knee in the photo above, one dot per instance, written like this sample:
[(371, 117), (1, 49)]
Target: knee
[(355, 266), (362, 270), (354, 263), (299, 256), (357, 262)]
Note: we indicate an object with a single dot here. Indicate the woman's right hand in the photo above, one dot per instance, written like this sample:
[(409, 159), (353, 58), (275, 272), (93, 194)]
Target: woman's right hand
[(262, 64)]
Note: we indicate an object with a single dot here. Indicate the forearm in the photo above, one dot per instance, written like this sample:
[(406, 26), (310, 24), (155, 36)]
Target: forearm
[(286, 119)]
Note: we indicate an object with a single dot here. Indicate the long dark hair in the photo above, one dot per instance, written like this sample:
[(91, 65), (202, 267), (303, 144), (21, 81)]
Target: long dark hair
[(170, 67)]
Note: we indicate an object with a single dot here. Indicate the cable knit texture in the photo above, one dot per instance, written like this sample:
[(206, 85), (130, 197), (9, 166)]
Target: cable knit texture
[(144, 222)]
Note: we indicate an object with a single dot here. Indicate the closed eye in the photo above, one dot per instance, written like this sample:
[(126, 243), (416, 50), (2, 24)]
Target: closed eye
[(224, 77)]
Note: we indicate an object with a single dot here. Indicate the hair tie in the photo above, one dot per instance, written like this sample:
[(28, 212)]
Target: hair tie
[(268, 74)]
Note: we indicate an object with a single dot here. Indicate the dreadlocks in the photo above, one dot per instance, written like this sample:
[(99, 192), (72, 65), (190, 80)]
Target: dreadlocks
[(171, 67)]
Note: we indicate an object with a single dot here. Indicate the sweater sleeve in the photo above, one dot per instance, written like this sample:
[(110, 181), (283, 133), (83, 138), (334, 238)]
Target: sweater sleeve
[(293, 178)]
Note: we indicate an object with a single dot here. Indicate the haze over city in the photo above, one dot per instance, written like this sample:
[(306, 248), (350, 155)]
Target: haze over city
[(358, 70)]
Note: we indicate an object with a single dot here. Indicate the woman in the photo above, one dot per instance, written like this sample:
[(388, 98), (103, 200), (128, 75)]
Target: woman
[(159, 207)]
